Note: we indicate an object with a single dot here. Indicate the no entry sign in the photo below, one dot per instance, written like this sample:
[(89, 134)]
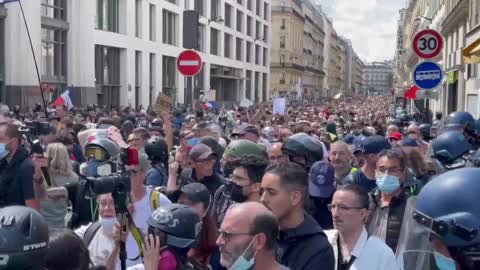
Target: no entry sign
[(427, 43), (189, 63)]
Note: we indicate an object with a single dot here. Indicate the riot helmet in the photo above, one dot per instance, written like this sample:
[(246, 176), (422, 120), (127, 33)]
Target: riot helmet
[(462, 121), (303, 147), (450, 148), (447, 206), (24, 234), (180, 224), (101, 155), (425, 130)]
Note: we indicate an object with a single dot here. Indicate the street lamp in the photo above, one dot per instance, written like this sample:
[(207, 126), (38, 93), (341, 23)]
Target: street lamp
[(217, 19)]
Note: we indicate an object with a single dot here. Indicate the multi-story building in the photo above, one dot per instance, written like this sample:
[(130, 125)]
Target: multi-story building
[(297, 49), (120, 52), (357, 74), (377, 78), (471, 55), (288, 23)]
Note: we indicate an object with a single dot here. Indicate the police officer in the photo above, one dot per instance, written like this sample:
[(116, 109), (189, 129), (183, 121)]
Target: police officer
[(447, 210), (450, 150), (463, 122), (24, 234)]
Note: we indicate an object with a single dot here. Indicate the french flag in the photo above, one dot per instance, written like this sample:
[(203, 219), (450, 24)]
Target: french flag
[(64, 99)]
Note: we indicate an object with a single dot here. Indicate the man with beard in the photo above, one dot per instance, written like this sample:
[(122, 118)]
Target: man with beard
[(247, 238)]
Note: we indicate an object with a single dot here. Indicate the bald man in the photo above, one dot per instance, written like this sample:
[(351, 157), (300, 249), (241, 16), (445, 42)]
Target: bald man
[(341, 157), (275, 155), (248, 233)]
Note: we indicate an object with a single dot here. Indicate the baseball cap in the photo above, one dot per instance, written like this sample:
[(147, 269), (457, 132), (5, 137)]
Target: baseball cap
[(373, 145), (242, 130), (201, 152), (349, 138), (395, 135), (409, 142), (196, 192), (321, 180)]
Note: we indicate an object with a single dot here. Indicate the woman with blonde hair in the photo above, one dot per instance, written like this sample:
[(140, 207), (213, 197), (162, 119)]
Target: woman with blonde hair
[(50, 189)]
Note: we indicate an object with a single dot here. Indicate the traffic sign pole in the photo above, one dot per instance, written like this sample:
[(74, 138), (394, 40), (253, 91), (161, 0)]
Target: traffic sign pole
[(189, 64)]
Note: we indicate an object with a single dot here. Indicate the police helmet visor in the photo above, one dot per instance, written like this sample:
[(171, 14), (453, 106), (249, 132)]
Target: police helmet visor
[(96, 152)]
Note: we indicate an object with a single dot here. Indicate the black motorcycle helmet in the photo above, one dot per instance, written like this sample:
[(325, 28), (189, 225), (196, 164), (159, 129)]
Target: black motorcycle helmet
[(303, 146), (450, 147), (180, 223), (157, 149), (24, 238)]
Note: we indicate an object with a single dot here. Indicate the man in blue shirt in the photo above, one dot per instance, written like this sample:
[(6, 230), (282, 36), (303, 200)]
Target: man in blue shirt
[(370, 148)]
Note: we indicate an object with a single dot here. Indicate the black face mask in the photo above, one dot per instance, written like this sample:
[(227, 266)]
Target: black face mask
[(235, 192)]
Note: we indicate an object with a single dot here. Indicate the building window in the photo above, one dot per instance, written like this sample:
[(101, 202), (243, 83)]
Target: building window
[(228, 46), (169, 70), (107, 15), (138, 18), (198, 6), (249, 5), (172, 1), (54, 9), (169, 28), (248, 86), (265, 56), (249, 26), (228, 15), (215, 6), (283, 25), (239, 49), (153, 22), (264, 86), (214, 41), (265, 34), (249, 52), (54, 54), (258, 8), (282, 78), (282, 42), (239, 21), (266, 10), (201, 37), (138, 79), (107, 75), (240, 2), (257, 55), (152, 72), (258, 27)]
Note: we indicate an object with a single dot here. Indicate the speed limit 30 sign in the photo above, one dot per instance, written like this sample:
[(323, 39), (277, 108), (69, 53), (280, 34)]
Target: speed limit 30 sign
[(427, 43)]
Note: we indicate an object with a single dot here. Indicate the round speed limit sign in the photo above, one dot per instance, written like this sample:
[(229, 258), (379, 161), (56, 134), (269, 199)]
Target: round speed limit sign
[(428, 43)]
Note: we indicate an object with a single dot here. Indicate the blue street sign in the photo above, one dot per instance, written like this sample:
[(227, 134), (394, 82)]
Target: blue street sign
[(7, 1), (427, 75)]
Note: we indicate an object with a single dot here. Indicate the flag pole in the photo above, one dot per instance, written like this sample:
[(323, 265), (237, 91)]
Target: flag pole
[(34, 59)]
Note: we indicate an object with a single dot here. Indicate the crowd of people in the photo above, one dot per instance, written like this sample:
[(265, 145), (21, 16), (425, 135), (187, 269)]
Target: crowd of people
[(342, 184)]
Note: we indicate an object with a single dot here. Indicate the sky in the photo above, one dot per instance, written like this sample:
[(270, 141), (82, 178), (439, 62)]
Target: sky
[(371, 25)]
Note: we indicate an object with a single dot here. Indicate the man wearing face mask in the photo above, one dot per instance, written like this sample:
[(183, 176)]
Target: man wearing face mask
[(244, 185), (390, 199), (248, 238), (16, 170)]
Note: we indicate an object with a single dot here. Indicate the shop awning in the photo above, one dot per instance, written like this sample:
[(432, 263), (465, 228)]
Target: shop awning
[(471, 54)]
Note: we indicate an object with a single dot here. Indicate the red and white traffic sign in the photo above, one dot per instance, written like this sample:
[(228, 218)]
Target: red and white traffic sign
[(427, 43), (189, 63)]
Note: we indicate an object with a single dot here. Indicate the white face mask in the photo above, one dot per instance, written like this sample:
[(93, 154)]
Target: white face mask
[(107, 224)]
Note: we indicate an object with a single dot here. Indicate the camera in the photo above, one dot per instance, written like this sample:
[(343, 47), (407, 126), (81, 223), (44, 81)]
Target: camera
[(37, 128)]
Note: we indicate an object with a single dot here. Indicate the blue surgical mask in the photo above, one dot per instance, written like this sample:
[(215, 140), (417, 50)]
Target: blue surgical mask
[(387, 183), (443, 262), (3, 151), (193, 141), (241, 263)]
